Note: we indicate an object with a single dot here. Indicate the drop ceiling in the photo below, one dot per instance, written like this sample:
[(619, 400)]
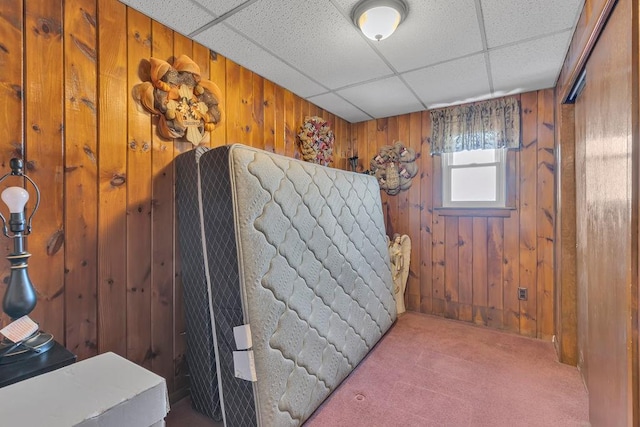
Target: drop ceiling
[(446, 52)]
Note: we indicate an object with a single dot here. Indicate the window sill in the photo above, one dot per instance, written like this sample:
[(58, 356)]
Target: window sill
[(492, 212)]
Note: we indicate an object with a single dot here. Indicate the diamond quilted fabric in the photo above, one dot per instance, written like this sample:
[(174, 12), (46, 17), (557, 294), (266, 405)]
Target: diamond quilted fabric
[(297, 251), (314, 277)]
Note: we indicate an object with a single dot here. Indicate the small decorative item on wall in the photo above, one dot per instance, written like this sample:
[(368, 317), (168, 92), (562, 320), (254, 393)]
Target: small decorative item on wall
[(186, 103), (316, 141), (394, 167)]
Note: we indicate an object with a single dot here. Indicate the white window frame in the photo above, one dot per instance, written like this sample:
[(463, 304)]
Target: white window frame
[(501, 182)]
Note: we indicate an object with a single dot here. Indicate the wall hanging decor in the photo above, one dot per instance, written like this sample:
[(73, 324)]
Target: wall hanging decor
[(316, 141), (188, 105), (394, 167)]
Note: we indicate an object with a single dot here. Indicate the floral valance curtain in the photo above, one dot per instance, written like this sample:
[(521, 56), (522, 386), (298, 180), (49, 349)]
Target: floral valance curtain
[(484, 125)]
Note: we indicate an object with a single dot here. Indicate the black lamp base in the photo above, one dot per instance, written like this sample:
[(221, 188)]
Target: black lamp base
[(36, 344)]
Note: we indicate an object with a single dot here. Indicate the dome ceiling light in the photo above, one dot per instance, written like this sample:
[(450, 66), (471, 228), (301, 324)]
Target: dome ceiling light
[(378, 19)]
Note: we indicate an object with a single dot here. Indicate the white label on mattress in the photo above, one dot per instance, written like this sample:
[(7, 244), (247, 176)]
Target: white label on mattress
[(242, 335), (244, 365)]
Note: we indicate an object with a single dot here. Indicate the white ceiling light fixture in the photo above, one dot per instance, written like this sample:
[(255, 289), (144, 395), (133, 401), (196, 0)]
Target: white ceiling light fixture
[(378, 19)]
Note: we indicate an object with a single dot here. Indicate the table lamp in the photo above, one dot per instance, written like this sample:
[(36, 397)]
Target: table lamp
[(20, 296)]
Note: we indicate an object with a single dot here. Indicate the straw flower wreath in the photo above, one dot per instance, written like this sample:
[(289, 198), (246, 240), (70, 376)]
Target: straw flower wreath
[(316, 141)]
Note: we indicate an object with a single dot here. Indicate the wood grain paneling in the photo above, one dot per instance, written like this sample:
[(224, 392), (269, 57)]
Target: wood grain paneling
[(528, 211), (545, 213), (81, 201), (11, 91), (181, 46), (597, 196), (471, 266), (565, 243), (107, 180), (105, 261), (162, 214), (590, 23), (44, 155), (138, 198), (607, 232), (112, 177)]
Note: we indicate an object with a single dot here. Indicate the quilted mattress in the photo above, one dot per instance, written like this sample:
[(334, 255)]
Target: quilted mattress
[(286, 279)]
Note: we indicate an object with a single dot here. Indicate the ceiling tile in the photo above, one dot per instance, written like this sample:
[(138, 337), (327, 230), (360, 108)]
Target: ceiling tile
[(338, 106), (382, 98), (220, 7), (230, 44), (180, 15), (454, 82), (512, 21), (530, 65), (313, 36), (434, 31)]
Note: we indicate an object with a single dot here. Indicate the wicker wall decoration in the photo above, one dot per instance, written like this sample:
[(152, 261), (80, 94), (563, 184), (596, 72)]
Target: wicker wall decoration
[(394, 167), (186, 103), (316, 141)]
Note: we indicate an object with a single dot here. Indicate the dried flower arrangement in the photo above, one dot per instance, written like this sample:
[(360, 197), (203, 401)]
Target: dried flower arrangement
[(186, 103), (316, 141)]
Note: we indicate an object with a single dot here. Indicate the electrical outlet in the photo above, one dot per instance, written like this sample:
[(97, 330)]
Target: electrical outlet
[(523, 294)]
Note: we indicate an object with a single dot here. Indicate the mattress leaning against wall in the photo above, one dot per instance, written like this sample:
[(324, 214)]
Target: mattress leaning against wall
[(297, 253)]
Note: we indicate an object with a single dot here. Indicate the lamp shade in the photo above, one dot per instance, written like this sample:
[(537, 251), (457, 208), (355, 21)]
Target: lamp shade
[(15, 198), (378, 19)]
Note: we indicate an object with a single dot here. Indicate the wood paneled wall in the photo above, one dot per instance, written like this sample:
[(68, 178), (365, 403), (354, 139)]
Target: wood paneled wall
[(105, 261), (598, 280), (469, 267)]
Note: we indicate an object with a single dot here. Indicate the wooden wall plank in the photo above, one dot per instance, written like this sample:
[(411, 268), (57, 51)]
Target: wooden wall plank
[(257, 113), (112, 168), (201, 57), (279, 126), (245, 112), (545, 213), (233, 102), (11, 107), (218, 75), (451, 284), (81, 168), (426, 209), (528, 209), (181, 45), (415, 208), (44, 157), (465, 268), (138, 200), (438, 231), (342, 145), (269, 115), (511, 267), (290, 124), (565, 242), (380, 138), (298, 118), (480, 275), (162, 232), (495, 256), (582, 223), (402, 198)]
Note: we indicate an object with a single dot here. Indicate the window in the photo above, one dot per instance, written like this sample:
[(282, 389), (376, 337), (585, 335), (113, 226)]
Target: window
[(474, 179)]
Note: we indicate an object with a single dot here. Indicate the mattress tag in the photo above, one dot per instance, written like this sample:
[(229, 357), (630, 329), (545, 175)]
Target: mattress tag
[(244, 365), (242, 334)]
